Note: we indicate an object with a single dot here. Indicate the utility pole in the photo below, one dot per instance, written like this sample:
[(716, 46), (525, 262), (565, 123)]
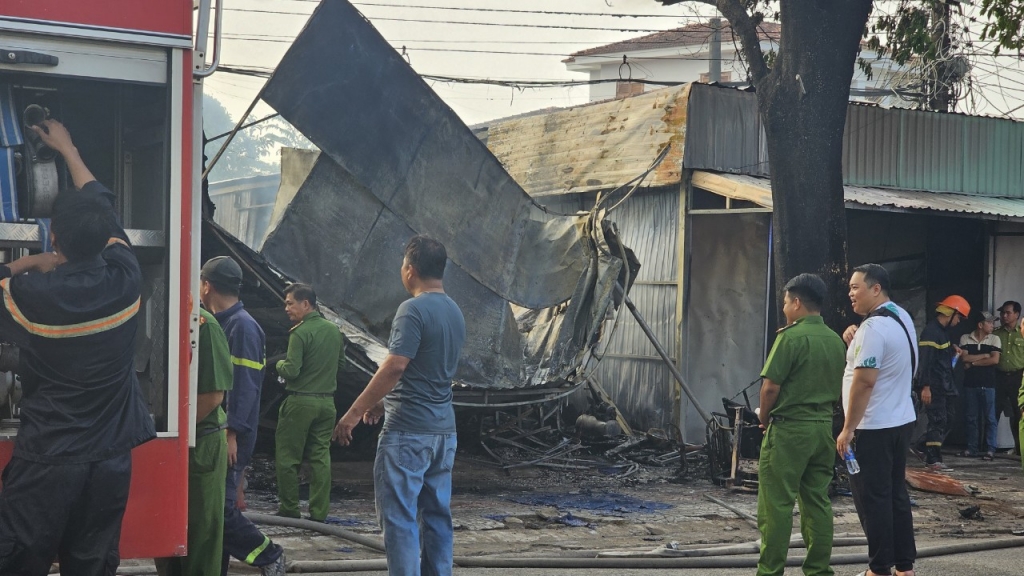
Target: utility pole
[(715, 62), (940, 97)]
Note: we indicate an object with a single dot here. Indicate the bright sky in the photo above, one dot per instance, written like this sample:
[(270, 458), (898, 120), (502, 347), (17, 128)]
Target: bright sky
[(257, 33), (260, 39)]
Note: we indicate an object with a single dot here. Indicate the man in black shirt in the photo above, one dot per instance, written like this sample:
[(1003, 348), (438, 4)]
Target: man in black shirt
[(73, 313)]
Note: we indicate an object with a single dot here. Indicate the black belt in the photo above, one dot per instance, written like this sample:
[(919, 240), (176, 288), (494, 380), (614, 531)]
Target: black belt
[(311, 394), (208, 431), (774, 419)]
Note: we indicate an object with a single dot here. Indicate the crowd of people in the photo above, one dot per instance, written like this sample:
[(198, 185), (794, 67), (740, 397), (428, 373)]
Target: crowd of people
[(886, 379), (73, 313)]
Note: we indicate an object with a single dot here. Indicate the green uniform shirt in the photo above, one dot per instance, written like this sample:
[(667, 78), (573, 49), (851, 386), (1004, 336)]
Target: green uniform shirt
[(807, 362), (1011, 358), (316, 351), (215, 371)]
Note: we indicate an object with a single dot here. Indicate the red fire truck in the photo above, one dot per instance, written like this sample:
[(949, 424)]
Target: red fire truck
[(125, 77)]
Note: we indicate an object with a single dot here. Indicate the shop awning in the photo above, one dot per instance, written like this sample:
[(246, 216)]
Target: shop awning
[(759, 191)]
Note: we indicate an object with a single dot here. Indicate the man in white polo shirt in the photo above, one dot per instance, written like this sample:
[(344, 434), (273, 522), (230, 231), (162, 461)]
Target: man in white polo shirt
[(880, 365)]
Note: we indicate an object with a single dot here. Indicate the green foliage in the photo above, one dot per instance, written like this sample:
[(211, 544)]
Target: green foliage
[(253, 151), (1005, 24)]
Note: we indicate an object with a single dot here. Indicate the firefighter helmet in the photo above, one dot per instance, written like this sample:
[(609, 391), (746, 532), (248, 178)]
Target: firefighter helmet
[(957, 304)]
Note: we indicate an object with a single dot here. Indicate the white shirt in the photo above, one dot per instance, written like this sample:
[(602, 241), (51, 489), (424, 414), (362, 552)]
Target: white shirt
[(881, 343)]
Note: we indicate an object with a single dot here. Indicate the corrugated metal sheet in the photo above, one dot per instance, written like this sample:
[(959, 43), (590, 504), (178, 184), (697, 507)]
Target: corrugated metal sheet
[(632, 372), (244, 206), (930, 152), (896, 148), (594, 147), (992, 159), (758, 190), (872, 134), (725, 131)]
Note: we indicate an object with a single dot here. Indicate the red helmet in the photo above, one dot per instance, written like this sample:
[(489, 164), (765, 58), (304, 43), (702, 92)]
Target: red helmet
[(958, 304)]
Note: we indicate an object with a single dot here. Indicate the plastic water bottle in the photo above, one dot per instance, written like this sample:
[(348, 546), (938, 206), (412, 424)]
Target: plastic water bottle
[(851, 462)]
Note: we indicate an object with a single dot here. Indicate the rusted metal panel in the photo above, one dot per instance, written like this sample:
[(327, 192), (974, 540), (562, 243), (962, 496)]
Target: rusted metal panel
[(595, 147)]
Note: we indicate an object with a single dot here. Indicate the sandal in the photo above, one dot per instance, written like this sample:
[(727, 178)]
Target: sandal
[(988, 456), (967, 454)]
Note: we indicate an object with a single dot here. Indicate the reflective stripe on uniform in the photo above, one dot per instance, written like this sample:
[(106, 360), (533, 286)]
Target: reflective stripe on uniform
[(246, 363), (70, 330), (935, 345), (256, 553)]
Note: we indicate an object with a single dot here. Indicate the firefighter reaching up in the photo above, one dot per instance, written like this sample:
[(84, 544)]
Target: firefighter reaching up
[(74, 313)]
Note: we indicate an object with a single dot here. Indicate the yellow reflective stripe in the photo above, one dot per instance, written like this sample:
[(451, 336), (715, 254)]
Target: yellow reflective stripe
[(256, 553), (246, 363), (935, 345), (70, 330)]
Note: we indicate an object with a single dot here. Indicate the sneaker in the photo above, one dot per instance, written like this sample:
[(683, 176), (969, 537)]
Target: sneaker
[(938, 467), (967, 454), (988, 456), (275, 568)]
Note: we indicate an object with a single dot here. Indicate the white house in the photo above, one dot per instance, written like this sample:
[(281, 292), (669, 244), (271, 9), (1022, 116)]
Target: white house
[(685, 55)]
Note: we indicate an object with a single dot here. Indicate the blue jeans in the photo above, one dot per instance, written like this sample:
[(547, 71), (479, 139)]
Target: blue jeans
[(981, 402), (412, 481)]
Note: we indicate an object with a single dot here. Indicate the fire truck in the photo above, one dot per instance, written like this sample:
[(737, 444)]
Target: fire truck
[(125, 77)]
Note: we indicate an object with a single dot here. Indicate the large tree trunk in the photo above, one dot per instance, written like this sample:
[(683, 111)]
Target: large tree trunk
[(803, 102)]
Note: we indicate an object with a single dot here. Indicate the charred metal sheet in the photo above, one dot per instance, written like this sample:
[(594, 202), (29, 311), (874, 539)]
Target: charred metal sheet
[(596, 146), (347, 90), (396, 161), (338, 236)]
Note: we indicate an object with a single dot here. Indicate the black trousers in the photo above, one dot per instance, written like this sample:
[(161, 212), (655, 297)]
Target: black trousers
[(71, 512), (880, 495), (941, 413), (1008, 385)]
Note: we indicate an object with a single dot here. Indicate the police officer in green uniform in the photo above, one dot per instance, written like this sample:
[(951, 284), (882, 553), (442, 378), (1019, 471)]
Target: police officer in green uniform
[(1010, 371), (208, 461), (316, 351), (803, 380)]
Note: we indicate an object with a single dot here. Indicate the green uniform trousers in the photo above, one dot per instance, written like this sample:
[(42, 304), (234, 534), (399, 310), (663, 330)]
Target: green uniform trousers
[(795, 466), (207, 473), (304, 428)]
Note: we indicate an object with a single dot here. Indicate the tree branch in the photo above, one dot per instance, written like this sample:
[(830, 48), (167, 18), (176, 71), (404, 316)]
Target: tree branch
[(744, 27)]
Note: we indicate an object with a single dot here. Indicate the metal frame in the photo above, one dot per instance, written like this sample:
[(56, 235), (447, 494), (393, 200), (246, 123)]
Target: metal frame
[(95, 32), (174, 250)]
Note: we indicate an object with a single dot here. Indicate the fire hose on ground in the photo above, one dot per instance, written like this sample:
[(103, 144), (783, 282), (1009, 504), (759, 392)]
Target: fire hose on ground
[(694, 561)]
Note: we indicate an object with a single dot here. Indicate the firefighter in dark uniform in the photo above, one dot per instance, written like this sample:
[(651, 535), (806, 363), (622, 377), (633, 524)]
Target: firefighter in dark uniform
[(934, 383), (803, 379), (220, 283), (66, 486)]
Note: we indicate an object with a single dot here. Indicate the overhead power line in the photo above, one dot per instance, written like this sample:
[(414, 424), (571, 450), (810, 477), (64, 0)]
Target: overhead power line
[(610, 56), (514, 10), (520, 11), (507, 83), (464, 23)]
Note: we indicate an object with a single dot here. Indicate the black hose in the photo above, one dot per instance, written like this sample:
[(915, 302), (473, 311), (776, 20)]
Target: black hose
[(271, 520)]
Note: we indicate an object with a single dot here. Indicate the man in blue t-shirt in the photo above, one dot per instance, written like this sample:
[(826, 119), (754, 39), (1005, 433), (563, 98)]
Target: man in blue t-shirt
[(412, 389)]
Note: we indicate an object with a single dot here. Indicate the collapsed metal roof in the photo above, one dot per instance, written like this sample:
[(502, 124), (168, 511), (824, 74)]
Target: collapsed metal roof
[(397, 161)]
